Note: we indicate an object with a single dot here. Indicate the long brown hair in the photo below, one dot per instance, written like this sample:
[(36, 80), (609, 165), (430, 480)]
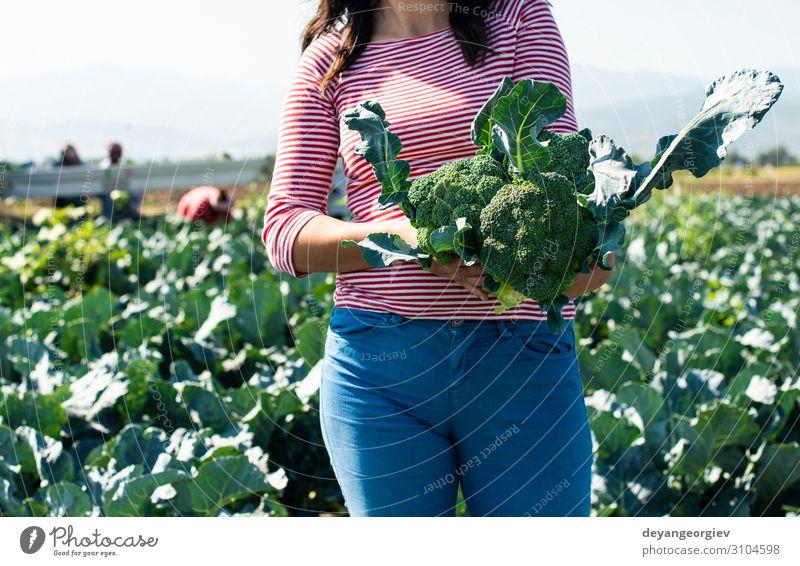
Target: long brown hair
[(467, 19)]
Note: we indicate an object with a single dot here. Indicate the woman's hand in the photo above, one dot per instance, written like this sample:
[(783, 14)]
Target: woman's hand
[(405, 230), (470, 277), (586, 282)]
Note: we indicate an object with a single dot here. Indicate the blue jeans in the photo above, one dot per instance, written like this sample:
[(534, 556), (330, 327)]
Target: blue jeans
[(413, 408)]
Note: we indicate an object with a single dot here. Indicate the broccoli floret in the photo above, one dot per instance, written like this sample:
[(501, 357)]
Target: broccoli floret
[(532, 236), (461, 188), (570, 157), (536, 235), (586, 239)]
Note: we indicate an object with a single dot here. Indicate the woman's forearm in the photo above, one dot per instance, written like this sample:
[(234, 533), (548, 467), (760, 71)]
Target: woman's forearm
[(587, 282), (318, 245)]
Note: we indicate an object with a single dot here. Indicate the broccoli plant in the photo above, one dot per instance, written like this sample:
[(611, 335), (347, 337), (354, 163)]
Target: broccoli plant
[(536, 207)]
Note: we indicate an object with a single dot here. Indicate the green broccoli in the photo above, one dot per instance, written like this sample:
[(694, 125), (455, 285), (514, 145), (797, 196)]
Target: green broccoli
[(569, 155), (459, 189), (536, 236), (537, 207)]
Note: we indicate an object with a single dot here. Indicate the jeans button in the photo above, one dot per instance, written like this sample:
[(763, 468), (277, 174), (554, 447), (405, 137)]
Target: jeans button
[(458, 322)]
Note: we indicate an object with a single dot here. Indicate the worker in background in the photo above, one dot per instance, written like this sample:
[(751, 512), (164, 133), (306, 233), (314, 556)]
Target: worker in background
[(113, 156), (205, 204), (113, 159), (68, 157)]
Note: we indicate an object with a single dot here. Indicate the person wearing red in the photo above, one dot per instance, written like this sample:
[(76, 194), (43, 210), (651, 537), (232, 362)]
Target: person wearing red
[(205, 204)]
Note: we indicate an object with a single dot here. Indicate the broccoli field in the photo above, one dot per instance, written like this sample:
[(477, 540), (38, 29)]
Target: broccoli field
[(164, 369)]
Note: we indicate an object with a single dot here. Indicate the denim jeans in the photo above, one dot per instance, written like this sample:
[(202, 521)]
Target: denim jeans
[(411, 409)]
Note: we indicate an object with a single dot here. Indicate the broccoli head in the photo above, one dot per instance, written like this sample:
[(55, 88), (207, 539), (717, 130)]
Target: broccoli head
[(570, 157), (535, 236), (461, 188)]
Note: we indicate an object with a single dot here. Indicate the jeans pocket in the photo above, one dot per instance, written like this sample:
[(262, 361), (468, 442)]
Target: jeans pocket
[(534, 340), (346, 322)]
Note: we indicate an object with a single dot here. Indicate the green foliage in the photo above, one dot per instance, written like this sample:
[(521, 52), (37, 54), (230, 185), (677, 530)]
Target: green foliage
[(381, 147), (689, 362), (517, 120), (157, 368)]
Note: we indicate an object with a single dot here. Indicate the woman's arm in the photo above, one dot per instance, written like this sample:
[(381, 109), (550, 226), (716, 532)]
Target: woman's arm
[(318, 245), (299, 236), (318, 248), (587, 282)]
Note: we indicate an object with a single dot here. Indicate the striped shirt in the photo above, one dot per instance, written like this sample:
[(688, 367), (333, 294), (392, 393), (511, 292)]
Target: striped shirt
[(430, 96)]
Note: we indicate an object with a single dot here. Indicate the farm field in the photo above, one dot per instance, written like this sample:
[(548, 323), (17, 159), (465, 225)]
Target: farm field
[(726, 180), (145, 364), (757, 181)]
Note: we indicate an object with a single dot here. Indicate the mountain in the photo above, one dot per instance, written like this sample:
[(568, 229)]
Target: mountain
[(154, 115), (159, 115)]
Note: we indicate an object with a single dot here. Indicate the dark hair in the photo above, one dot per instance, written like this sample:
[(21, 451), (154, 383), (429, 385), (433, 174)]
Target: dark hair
[(467, 18)]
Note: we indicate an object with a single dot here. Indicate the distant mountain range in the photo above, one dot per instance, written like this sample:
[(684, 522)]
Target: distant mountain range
[(158, 116), (154, 115)]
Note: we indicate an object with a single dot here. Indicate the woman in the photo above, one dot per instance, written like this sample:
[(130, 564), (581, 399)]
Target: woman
[(424, 387)]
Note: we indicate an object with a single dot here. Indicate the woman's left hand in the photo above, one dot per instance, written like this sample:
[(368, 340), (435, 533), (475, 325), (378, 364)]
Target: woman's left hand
[(586, 282)]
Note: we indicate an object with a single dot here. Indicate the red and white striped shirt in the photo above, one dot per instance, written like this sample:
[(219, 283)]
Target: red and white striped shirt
[(430, 96)]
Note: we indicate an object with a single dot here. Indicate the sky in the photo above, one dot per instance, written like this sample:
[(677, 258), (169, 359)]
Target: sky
[(71, 64)]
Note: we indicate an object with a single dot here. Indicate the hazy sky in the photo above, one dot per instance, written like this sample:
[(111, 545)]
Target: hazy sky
[(254, 46), (240, 39)]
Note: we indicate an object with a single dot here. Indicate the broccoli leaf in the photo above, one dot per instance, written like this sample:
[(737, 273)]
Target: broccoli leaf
[(453, 239), (381, 249), (734, 104), (517, 119), (481, 132), (615, 177), (380, 147), (556, 323), (612, 236)]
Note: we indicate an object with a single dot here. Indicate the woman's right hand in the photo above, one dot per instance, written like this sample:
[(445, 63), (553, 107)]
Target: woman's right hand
[(470, 277), (405, 230)]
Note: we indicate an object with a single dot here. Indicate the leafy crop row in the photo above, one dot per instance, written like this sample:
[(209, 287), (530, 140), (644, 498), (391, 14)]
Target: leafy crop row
[(156, 369), (164, 369)]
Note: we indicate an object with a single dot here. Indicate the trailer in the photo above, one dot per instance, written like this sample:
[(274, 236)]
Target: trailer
[(79, 180)]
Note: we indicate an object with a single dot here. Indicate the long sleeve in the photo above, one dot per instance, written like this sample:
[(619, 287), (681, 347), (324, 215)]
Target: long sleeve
[(541, 55), (308, 145)]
